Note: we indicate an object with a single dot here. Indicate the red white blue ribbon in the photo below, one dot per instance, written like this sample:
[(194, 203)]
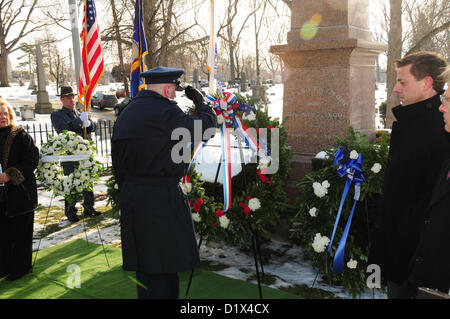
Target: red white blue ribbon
[(226, 166), (224, 107)]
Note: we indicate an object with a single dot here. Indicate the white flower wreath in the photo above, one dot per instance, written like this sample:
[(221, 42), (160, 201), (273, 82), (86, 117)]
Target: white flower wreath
[(68, 146)]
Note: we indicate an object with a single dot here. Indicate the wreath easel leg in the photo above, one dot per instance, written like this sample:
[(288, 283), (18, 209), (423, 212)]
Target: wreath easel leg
[(255, 242), (192, 271), (201, 235), (43, 229)]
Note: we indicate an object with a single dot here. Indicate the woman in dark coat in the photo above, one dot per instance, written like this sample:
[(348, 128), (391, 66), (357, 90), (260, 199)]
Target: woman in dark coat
[(430, 266), (19, 157)]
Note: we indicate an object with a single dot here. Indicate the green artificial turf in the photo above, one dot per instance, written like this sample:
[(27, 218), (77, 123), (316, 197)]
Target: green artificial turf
[(54, 277)]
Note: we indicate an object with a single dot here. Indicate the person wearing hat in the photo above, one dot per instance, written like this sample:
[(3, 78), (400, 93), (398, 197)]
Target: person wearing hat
[(158, 239), (68, 118)]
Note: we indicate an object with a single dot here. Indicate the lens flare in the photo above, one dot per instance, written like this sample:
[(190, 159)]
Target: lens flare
[(316, 19), (310, 28), (308, 31), (137, 282)]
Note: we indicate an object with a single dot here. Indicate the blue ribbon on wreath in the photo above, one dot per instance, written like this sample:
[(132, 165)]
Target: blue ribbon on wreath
[(352, 169)]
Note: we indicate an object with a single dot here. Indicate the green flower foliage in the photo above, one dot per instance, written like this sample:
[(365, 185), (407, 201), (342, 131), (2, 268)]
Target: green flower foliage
[(305, 227), (113, 192)]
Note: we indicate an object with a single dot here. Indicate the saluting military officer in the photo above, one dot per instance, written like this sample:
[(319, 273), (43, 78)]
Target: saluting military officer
[(68, 118), (158, 239)]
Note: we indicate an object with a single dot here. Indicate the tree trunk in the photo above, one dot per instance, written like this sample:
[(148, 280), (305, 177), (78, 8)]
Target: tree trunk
[(231, 52), (150, 29), (123, 73), (164, 55), (394, 53), (4, 81)]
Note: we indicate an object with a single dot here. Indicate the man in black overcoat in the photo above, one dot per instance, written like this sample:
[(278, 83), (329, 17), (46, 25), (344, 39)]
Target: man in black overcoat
[(430, 265), (158, 239), (68, 118), (418, 148)]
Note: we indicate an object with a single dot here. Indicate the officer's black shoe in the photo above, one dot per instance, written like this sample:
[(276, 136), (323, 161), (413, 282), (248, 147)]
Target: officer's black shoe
[(91, 212), (73, 218)]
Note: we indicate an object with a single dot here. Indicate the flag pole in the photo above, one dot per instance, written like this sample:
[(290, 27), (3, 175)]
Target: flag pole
[(211, 52), (75, 38)]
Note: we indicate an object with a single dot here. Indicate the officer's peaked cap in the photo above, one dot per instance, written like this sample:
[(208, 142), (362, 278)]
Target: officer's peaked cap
[(163, 74)]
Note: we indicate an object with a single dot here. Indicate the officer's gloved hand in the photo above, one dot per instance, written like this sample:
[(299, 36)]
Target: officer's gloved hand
[(83, 116), (86, 123), (84, 119), (194, 95)]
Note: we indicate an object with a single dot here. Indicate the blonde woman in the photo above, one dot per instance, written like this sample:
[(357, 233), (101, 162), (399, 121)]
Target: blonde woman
[(19, 157)]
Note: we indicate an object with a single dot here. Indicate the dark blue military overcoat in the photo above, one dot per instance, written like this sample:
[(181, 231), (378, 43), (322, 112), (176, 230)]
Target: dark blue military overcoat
[(156, 226)]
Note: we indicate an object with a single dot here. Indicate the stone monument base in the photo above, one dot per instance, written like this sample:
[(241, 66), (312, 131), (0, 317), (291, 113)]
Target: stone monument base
[(43, 105)]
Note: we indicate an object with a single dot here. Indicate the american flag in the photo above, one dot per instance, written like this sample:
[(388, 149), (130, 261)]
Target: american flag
[(91, 69)]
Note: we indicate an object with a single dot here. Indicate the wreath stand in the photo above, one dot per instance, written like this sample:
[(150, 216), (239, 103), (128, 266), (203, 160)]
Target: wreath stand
[(69, 158), (255, 239)]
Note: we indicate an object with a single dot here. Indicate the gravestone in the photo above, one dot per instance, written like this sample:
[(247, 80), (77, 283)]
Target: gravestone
[(243, 82), (195, 80), (329, 77), (43, 105)]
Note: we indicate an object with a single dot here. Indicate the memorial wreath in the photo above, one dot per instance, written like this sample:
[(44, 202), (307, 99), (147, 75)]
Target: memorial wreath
[(68, 147), (336, 209)]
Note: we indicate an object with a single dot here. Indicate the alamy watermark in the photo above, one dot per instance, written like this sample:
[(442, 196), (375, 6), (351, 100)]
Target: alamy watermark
[(74, 278)]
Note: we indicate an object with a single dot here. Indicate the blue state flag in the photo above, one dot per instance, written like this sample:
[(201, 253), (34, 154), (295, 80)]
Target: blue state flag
[(139, 47)]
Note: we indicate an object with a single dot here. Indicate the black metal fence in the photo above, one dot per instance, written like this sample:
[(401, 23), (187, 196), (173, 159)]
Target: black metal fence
[(102, 137)]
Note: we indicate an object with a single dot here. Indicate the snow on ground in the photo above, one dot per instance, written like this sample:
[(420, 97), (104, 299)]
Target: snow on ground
[(289, 268)]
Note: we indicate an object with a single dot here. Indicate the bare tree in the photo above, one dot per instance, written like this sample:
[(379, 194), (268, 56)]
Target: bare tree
[(16, 22), (428, 23), (165, 31), (230, 38), (256, 6), (117, 35)]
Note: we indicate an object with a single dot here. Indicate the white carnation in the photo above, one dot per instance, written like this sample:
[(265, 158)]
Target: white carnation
[(250, 117), (224, 221), (320, 243), (352, 264), (354, 154), (313, 212), (376, 168), (187, 187), (254, 204), (196, 217), (264, 162), (319, 190), (325, 184)]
